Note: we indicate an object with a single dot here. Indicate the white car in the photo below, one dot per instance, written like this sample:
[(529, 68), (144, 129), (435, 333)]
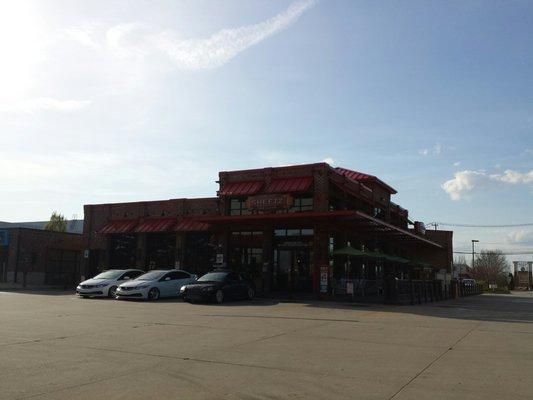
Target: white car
[(106, 283), (155, 284)]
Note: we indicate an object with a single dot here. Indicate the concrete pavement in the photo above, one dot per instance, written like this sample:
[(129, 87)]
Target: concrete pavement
[(56, 346)]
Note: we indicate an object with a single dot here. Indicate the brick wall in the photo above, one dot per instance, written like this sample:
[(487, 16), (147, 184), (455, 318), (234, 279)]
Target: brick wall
[(29, 249)]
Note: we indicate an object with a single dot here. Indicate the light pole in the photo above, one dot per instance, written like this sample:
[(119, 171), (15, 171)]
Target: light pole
[(473, 252)]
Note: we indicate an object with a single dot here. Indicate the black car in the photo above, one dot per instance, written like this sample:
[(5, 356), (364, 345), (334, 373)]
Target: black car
[(218, 286)]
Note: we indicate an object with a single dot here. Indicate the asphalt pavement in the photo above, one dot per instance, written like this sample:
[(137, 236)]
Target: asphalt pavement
[(54, 345)]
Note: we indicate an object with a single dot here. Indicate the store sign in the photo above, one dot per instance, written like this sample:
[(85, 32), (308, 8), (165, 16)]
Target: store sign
[(269, 202), (4, 237), (349, 288), (324, 279)]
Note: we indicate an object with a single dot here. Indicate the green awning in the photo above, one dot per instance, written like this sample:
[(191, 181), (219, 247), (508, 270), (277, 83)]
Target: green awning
[(398, 259), (374, 254), (419, 263), (348, 251)]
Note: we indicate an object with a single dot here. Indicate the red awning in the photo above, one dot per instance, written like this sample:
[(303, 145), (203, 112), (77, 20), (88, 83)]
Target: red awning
[(192, 225), (289, 185), (119, 226), (156, 225), (241, 188)]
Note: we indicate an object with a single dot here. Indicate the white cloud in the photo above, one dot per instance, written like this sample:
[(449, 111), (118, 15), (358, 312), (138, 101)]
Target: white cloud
[(31, 106), (134, 40), (520, 236), (467, 181), (329, 160), (435, 150), (457, 163), (515, 177)]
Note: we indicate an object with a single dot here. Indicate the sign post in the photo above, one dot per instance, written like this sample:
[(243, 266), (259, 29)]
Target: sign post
[(324, 271)]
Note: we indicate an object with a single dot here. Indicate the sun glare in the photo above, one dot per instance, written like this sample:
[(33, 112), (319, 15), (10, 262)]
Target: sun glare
[(21, 39)]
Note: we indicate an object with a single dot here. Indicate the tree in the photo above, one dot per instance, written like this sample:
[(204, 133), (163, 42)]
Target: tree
[(57, 223), (491, 267), (460, 265)]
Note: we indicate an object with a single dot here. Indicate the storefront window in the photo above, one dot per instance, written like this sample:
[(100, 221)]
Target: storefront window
[(238, 207), (302, 204), (247, 233), (293, 232)]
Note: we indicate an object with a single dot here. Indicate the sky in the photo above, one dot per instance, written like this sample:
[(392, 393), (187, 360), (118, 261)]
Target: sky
[(112, 101)]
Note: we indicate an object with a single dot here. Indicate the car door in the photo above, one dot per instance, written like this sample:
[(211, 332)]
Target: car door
[(165, 284), (232, 286)]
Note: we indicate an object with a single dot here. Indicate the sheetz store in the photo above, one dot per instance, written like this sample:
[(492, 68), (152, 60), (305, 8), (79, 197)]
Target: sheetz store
[(308, 230)]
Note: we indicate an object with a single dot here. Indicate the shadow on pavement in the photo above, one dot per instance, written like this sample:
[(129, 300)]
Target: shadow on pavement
[(516, 307)]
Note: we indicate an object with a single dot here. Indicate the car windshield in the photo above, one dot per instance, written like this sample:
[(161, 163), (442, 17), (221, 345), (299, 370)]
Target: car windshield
[(111, 274), (214, 277), (152, 275)]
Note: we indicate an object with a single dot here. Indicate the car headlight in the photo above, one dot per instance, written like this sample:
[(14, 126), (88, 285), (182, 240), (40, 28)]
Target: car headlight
[(182, 289)]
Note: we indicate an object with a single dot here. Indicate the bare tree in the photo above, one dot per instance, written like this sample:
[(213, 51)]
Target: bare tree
[(57, 223), (460, 265), (491, 267)]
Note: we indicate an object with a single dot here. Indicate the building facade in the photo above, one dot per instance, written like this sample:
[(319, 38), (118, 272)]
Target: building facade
[(287, 228), (40, 257)]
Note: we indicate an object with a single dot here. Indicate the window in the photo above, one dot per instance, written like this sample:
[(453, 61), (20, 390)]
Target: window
[(234, 277), (293, 232), (238, 207), (247, 233), (181, 275), (130, 275), (302, 204)]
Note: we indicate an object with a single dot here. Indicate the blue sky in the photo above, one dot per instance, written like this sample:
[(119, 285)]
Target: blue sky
[(109, 101)]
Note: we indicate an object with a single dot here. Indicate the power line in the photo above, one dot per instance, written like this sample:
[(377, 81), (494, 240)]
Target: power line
[(479, 226), (505, 253)]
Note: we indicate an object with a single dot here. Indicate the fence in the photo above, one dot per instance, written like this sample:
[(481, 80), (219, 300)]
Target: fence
[(470, 289)]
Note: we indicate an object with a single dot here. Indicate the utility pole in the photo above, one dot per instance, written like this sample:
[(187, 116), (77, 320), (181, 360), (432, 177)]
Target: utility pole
[(473, 252)]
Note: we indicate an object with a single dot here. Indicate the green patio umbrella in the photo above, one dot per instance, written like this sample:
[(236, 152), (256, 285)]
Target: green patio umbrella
[(398, 259), (374, 254), (348, 251)]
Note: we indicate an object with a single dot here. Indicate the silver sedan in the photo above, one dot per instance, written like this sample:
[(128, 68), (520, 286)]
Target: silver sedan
[(155, 284), (106, 283)]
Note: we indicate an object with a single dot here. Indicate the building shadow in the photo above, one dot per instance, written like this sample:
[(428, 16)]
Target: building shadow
[(511, 308)]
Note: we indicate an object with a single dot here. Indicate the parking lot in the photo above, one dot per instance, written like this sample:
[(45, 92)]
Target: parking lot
[(57, 346)]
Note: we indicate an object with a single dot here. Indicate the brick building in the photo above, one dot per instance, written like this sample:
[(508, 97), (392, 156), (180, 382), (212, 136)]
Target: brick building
[(285, 227), (40, 257)]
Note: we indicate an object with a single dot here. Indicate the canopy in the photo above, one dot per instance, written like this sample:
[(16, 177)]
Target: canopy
[(348, 251)]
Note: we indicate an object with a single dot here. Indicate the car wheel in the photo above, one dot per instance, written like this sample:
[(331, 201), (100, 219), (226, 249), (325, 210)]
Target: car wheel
[(219, 296), (250, 294), (112, 292), (153, 294)]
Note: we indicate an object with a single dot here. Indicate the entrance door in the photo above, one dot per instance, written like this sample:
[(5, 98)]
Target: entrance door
[(292, 270)]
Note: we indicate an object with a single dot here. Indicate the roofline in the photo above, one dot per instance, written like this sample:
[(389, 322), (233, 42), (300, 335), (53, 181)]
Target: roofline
[(152, 201), (40, 230), (321, 164), (372, 177)]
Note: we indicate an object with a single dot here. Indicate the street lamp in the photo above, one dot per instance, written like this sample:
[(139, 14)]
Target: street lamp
[(473, 252)]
